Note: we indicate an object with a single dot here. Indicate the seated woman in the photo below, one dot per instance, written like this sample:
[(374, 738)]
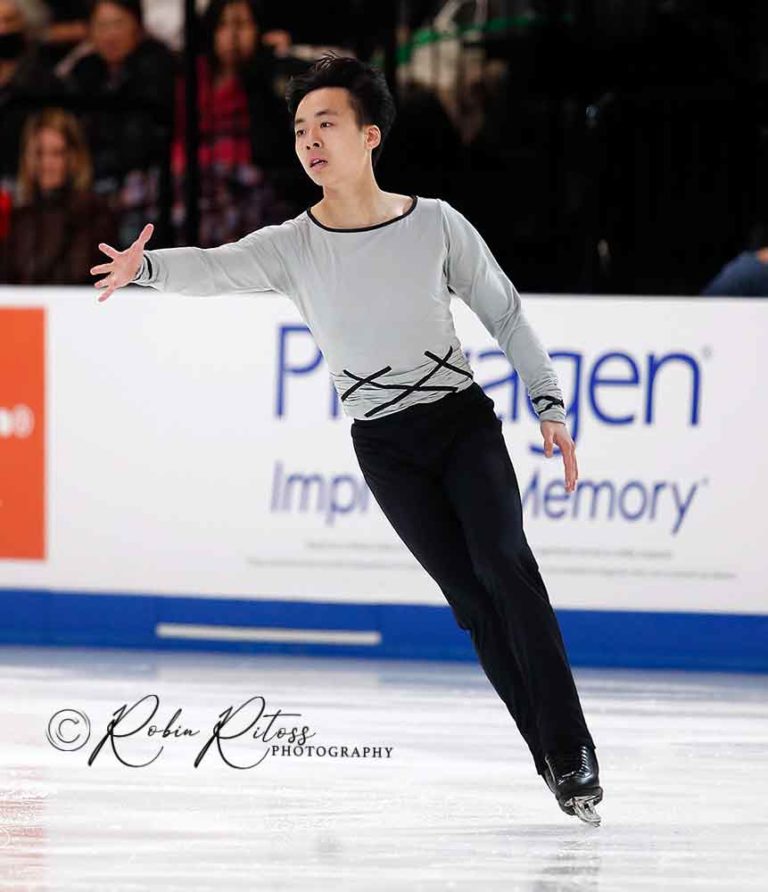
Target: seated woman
[(55, 228), (244, 130)]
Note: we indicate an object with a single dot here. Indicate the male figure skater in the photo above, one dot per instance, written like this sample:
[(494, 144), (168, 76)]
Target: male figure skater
[(372, 274)]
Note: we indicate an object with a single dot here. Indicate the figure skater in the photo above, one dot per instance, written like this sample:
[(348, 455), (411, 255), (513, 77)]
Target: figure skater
[(372, 274)]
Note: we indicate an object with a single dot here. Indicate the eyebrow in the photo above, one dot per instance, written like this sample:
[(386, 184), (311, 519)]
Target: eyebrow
[(325, 111)]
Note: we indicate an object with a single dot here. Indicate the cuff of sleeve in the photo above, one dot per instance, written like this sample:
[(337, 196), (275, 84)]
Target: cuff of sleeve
[(549, 407), (144, 275)]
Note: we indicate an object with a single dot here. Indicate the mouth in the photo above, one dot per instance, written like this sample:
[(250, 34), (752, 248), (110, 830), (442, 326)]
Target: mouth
[(319, 162)]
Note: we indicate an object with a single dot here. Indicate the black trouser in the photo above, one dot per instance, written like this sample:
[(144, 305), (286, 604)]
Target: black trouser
[(442, 475)]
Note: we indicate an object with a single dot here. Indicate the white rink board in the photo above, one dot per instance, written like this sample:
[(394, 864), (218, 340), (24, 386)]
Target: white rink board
[(175, 423)]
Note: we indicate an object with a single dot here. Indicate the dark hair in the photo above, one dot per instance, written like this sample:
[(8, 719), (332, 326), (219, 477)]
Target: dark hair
[(134, 7), (210, 19), (369, 94)]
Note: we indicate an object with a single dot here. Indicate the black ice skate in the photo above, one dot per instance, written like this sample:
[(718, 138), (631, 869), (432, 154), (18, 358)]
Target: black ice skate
[(573, 778)]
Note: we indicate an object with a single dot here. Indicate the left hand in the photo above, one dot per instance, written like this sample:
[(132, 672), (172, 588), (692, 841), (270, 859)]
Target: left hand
[(555, 433)]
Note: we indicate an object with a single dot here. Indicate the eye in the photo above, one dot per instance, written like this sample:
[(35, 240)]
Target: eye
[(299, 132)]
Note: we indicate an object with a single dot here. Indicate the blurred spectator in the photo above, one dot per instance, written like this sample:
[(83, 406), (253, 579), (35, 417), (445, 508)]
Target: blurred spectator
[(244, 129), (127, 81), (58, 223), (745, 275), (165, 20), (25, 81)]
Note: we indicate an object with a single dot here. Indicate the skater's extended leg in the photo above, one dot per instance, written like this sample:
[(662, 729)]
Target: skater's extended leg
[(483, 490), (416, 505)]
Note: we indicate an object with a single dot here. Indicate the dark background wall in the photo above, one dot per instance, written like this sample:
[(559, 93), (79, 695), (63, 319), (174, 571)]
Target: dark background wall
[(622, 148)]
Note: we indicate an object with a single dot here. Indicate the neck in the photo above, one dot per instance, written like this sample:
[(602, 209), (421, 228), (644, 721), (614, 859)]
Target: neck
[(355, 204)]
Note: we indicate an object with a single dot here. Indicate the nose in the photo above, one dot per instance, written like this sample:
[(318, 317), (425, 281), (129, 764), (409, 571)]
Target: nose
[(310, 136)]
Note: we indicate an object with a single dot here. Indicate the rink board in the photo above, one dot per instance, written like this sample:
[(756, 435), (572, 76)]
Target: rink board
[(169, 463), (722, 642)]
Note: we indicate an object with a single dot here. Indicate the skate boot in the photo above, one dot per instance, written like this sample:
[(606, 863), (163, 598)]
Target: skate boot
[(573, 778)]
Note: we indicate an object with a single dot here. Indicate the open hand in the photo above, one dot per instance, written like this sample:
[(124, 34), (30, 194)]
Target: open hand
[(555, 432), (124, 265)]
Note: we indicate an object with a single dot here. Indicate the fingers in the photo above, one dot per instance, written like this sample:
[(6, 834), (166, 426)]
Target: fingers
[(109, 250), (570, 473), (107, 282), (568, 450), (145, 235), (102, 268), (110, 290), (562, 439)]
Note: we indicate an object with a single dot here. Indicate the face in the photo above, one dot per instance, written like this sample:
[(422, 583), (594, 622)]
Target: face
[(51, 159), (11, 19), (325, 126), (236, 35), (115, 32)]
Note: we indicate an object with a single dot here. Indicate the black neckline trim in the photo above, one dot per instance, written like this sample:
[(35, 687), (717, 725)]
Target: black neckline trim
[(364, 228)]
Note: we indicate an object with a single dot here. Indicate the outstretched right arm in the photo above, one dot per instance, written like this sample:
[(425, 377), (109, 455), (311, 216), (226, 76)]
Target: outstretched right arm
[(253, 263)]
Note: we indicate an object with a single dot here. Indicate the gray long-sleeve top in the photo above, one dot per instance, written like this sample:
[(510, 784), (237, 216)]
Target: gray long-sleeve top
[(377, 301)]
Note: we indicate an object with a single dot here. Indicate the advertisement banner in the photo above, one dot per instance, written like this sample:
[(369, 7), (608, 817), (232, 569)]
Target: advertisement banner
[(22, 433), (195, 446)]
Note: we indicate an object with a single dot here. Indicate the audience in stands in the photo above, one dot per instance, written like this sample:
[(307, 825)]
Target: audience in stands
[(26, 82), (57, 223), (244, 129), (127, 80)]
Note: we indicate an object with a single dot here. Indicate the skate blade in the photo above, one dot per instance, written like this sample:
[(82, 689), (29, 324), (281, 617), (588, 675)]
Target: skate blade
[(584, 809)]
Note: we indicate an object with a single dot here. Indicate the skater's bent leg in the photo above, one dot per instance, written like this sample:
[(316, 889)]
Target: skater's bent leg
[(417, 508), (483, 489)]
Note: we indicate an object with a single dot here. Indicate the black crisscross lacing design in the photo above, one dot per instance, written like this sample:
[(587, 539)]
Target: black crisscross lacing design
[(549, 400), (405, 388)]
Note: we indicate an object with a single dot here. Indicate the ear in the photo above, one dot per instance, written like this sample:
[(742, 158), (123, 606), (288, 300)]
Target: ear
[(373, 136)]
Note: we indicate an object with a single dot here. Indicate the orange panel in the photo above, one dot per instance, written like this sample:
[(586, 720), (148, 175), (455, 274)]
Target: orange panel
[(22, 433)]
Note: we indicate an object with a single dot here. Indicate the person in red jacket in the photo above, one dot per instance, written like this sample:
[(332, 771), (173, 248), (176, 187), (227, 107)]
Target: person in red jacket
[(244, 130)]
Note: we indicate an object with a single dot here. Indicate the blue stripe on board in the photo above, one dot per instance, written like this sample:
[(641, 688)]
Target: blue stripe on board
[(708, 641)]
